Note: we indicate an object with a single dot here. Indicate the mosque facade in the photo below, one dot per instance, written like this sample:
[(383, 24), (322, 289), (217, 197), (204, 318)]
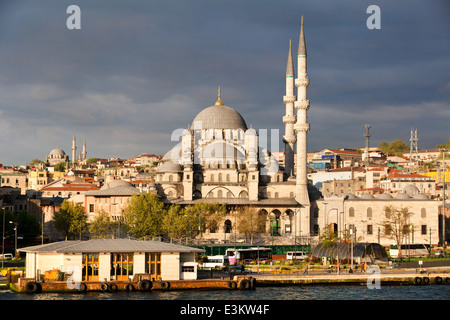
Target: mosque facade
[(221, 160)]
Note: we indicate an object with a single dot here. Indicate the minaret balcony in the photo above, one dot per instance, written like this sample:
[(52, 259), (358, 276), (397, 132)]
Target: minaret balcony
[(289, 139), (302, 105), (302, 82), (301, 127), (289, 99), (289, 119)]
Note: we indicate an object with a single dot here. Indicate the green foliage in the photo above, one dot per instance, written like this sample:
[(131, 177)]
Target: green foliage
[(328, 237), (102, 226), (60, 167), (444, 145), (71, 219), (143, 216), (250, 222), (397, 147), (395, 224), (34, 162)]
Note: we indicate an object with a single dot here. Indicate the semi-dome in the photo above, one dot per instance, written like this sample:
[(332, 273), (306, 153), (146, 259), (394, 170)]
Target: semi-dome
[(169, 166)]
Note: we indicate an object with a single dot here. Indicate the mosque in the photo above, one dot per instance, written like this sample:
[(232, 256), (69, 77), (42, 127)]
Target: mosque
[(221, 160), (58, 155)]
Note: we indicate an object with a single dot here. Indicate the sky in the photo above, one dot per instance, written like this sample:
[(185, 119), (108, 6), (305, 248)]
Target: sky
[(137, 70)]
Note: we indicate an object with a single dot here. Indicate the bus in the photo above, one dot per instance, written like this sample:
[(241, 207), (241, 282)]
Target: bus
[(215, 262), (410, 250), (248, 255)]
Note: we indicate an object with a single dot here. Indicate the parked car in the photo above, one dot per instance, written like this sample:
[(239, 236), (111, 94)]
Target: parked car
[(6, 256), (12, 271), (296, 255)]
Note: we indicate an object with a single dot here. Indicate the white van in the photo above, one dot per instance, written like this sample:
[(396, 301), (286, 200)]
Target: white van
[(216, 262), (6, 256), (296, 255)]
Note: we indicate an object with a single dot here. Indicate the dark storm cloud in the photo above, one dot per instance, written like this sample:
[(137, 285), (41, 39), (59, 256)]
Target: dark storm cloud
[(137, 70)]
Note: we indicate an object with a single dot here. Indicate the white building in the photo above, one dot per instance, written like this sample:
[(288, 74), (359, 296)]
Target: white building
[(113, 259)]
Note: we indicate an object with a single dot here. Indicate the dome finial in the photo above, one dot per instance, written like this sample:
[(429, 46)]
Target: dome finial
[(219, 102)]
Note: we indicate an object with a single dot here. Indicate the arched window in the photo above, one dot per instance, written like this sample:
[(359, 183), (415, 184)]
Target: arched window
[(423, 213), (243, 194), (351, 212), (170, 194), (212, 178), (219, 194), (229, 194), (228, 178), (228, 226), (220, 177), (170, 178), (369, 212), (276, 194)]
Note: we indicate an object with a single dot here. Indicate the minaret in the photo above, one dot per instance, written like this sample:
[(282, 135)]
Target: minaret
[(301, 127), (289, 119), (84, 150), (74, 150)]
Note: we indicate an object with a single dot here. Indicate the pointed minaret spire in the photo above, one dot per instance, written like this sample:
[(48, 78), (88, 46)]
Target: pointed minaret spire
[(290, 64), (289, 119), (301, 42)]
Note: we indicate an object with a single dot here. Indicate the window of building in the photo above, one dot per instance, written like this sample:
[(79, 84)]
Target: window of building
[(424, 229), (219, 194), (91, 208), (90, 266), (351, 212), (423, 213), (153, 265), (369, 229), (369, 212), (121, 266)]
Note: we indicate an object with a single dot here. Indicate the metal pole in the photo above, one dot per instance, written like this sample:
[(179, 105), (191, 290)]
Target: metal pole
[(3, 238), (351, 235), (443, 204)]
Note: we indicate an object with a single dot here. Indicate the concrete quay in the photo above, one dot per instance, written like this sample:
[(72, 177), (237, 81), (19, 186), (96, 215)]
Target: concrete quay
[(403, 277)]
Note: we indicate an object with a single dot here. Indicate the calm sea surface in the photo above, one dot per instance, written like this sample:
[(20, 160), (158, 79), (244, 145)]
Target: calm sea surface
[(334, 292)]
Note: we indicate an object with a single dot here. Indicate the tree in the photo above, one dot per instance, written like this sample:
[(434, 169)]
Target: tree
[(396, 225), (250, 222), (60, 167), (144, 214), (71, 219), (102, 226), (444, 145), (34, 162), (176, 223), (396, 147)]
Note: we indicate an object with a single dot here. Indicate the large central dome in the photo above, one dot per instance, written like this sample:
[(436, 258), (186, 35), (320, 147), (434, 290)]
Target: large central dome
[(219, 116)]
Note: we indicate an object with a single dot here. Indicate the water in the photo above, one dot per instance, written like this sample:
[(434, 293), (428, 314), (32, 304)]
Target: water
[(310, 292)]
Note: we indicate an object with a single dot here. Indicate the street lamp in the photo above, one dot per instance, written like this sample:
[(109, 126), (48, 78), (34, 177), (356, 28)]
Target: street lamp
[(3, 238), (351, 236), (15, 237)]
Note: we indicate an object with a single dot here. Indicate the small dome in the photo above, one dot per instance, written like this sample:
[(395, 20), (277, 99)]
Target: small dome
[(383, 196), (402, 195), (420, 196), (169, 166), (350, 196), (116, 183), (411, 189), (172, 154), (367, 196)]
